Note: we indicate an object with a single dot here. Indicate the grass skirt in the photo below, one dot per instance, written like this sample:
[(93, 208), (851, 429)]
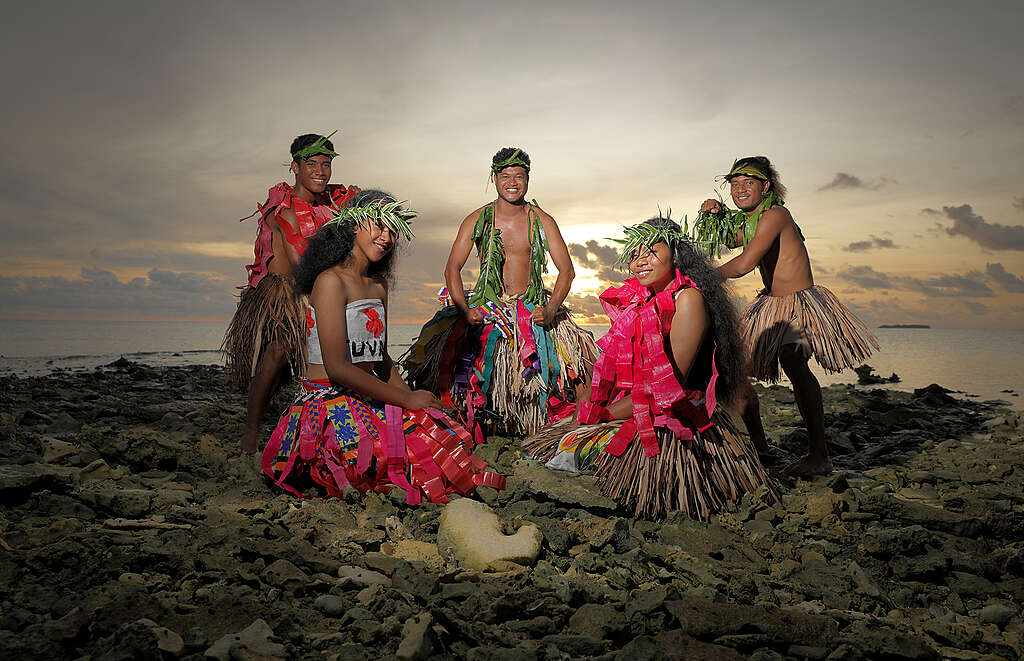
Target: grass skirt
[(698, 476), (813, 317), (270, 312), (333, 439), (523, 374)]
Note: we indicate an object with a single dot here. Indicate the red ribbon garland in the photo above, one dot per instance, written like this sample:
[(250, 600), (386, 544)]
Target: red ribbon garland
[(634, 362)]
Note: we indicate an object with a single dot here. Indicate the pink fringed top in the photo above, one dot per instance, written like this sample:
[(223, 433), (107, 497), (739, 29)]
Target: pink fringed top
[(311, 217), (633, 362)]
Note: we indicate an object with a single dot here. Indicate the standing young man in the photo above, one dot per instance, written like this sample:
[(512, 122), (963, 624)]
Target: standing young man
[(267, 334), (508, 346), (792, 318)]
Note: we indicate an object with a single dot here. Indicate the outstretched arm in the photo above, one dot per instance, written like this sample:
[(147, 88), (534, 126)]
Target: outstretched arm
[(768, 229), (560, 256), (453, 269), (329, 300)]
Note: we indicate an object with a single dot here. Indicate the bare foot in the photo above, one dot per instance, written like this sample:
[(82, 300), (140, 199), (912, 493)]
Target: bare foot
[(808, 467), (250, 441)]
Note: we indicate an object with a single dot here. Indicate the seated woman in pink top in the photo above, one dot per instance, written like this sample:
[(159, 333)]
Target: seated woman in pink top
[(355, 421), (651, 425)]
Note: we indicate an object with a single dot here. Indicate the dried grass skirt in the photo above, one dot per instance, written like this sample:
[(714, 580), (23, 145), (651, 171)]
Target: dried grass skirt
[(698, 476), (270, 312), (812, 318)]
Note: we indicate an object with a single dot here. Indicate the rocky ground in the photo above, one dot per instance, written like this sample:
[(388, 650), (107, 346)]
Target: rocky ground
[(130, 530)]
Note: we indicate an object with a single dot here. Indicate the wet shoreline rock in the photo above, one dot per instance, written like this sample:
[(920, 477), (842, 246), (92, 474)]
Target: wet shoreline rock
[(129, 528)]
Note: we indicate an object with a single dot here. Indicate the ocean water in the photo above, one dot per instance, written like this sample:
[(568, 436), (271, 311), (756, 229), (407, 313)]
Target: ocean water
[(979, 363)]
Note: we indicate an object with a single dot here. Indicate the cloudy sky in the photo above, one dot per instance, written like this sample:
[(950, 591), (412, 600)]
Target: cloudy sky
[(136, 134)]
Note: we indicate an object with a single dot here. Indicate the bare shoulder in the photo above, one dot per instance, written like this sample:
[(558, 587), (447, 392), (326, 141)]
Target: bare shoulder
[(691, 312), (689, 299), (777, 214), (475, 213), (328, 286), (546, 219)]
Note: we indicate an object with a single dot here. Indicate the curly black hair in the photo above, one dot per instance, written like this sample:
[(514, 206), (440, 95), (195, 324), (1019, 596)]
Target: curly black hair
[(305, 140), (505, 153), (332, 245), (729, 356), (762, 163)]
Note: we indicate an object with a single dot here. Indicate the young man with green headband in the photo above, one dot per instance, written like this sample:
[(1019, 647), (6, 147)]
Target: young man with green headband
[(792, 318), (508, 347), (267, 333)]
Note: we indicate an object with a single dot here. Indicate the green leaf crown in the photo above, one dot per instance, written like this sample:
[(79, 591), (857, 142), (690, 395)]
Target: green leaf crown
[(390, 214), (514, 159), (318, 147), (646, 235)]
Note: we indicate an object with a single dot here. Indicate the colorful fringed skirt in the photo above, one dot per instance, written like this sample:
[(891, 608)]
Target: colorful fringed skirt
[(697, 471), (815, 320), (269, 312), (329, 439), (522, 374)]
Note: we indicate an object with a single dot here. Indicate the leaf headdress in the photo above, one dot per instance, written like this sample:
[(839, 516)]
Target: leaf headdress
[(316, 148), (390, 214), (513, 160), (646, 235)]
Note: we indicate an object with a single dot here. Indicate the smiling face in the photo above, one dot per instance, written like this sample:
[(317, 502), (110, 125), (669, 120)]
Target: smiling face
[(313, 173), (653, 267), (747, 192), (376, 241), (512, 183)]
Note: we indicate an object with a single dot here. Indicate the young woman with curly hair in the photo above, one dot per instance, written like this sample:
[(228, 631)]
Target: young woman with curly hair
[(651, 424), (355, 421)]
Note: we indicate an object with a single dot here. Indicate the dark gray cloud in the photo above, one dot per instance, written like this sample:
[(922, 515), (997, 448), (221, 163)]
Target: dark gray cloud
[(975, 307), (970, 285), (593, 255), (589, 306), (1004, 278), (870, 244), (161, 293), (865, 277), (1018, 203), (987, 235), (847, 181)]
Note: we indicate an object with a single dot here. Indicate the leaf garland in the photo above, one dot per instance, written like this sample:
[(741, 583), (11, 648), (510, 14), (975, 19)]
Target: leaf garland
[(714, 233), (491, 251), (538, 256)]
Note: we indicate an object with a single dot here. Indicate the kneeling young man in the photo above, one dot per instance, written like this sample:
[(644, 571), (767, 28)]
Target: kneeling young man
[(508, 346), (792, 318)]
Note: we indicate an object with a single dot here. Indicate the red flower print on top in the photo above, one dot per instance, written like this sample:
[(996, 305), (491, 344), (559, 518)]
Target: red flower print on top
[(373, 324), (309, 321)]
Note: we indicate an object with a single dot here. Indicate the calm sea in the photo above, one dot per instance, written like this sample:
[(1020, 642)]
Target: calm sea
[(984, 363)]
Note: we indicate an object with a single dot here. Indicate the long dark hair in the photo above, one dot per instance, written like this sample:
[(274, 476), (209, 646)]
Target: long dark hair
[(729, 356), (332, 245)]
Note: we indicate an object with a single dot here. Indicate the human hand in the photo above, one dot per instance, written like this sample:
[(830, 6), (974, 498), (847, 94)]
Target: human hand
[(421, 399), (541, 316), (711, 206), (473, 316)]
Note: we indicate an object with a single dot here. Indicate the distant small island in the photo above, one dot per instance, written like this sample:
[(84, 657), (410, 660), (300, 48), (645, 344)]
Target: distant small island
[(904, 326)]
